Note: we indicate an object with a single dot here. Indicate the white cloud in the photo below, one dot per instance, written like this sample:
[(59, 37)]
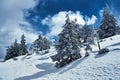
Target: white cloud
[(92, 20), (116, 14), (56, 22), (101, 12), (11, 16)]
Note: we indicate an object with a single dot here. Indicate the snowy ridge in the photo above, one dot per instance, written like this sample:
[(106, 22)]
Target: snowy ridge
[(41, 67)]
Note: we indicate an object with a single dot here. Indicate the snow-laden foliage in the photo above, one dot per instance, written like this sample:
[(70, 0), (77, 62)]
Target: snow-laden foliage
[(68, 47), (16, 49), (42, 43), (13, 51), (23, 47), (87, 35), (108, 24), (84, 33)]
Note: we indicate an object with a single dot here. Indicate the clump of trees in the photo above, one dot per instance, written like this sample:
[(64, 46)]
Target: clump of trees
[(40, 44), (17, 49)]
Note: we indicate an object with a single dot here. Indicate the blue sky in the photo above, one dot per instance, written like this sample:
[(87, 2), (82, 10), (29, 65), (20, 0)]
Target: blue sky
[(47, 17), (45, 8)]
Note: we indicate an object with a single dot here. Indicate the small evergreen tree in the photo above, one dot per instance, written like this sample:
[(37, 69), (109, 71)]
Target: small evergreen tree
[(16, 48), (31, 49), (87, 48), (42, 43), (96, 36), (38, 43), (13, 51), (68, 44), (93, 35), (23, 47), (108, 24), (84, 33), (46, 43)]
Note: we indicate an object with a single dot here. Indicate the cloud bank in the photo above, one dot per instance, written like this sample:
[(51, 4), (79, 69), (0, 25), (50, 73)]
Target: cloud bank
[(56, 22), (11, 16)]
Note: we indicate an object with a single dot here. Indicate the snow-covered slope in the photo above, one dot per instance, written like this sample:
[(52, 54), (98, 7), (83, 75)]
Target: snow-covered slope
[(41, 67)]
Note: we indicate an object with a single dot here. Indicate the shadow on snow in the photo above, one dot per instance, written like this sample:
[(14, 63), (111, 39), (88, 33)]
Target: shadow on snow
[(49, 68), (101, 55), (73, 65), (116, 44)]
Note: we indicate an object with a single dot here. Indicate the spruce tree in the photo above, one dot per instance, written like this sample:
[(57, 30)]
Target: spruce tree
[(23, 46), (46, 43), (38, 43), (16, 48), (42, 43), (13, 51), (93, 35), (108, 24), (84, 33), (68, 48)]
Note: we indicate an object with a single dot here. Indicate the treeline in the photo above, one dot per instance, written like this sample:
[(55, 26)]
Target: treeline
[(18, 49)]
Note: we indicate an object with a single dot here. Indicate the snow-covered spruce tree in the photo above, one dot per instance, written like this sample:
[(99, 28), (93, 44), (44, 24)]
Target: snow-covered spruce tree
[(9, 53), (31, 49), (23, 47), (68, 44), (85, 32), (13, 51), (87, 48), (96, 36), (38, 44), (93, 35), (90, 39), (42, 43), (47, 43), (118, 30), (108, 24)]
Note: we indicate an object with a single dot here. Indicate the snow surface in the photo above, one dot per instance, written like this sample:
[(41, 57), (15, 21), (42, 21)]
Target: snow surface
[(41, 67)]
